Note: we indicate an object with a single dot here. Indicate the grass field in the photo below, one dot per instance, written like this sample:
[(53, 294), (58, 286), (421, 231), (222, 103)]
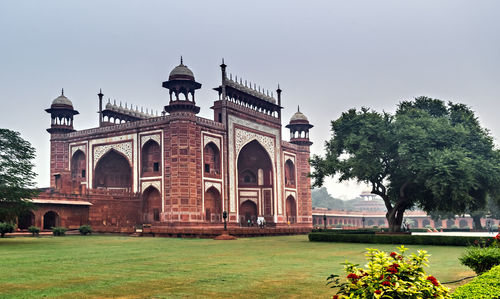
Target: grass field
[(128, 267)]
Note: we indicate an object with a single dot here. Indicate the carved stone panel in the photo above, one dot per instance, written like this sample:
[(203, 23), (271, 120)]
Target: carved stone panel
[(125, 148)]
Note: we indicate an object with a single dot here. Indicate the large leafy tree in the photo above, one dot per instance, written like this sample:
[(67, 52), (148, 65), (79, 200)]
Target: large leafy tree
[(16, 175), (429, 154)]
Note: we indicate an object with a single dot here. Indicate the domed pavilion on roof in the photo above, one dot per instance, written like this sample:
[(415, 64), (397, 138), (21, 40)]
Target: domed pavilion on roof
[(175, 173)]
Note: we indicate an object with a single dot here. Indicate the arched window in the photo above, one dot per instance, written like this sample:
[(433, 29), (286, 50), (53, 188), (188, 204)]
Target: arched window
[(78, 169), (289, 174), (248, 213), (211, 157), (151, 157)]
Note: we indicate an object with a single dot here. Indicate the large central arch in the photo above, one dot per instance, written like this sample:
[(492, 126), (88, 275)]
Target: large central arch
[(113, 171), (255, 174)]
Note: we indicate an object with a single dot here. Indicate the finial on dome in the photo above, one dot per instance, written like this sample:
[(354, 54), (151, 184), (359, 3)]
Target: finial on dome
[(181, 61), (298, 108), (62, 91)]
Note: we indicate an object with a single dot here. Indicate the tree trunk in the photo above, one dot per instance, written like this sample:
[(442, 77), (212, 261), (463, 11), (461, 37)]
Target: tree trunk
[(477, 221), (395, 218)]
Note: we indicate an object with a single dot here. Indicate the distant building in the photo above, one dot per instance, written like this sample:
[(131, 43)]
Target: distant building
[(371, 202), (177, 169)]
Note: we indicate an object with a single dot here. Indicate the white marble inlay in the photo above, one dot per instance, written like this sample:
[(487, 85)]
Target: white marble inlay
[(156, 184), (125, 148), (207, 139), (217, 186), (155, 137)]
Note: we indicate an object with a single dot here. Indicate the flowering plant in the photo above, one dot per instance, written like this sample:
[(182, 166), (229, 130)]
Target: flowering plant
[(389, 275)]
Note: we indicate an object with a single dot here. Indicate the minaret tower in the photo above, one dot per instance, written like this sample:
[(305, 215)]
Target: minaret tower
[(299, 129), (181, 86), (61, 114)]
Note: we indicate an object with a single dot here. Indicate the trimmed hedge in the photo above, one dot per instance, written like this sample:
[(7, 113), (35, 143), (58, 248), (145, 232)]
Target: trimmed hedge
[(347, 231), (394, 239), (487, 285)]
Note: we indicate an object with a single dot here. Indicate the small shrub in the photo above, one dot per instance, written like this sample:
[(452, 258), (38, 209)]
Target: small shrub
[(59, 231), (481, 259), (6, 227), (34, 230), (85, 229), (454, 226), (387, 275), (484, 286), (428, 226)]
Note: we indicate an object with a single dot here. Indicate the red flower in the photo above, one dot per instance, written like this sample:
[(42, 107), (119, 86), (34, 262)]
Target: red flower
[(378, 291), (393, 254), (433, 280), (381, 276), (386, 283), (352, 276), (392, 269), (335, 297), (497, 237)]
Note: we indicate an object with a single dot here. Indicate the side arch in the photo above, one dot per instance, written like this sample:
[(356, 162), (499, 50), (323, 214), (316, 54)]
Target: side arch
[(213, 205)]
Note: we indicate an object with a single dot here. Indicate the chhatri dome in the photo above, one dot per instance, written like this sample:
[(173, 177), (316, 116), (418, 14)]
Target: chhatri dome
[(62, 100), (298, 117), (181, 72)]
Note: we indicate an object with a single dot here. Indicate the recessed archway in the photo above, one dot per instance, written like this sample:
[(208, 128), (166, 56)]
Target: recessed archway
[(78, 169), (211, 160), (113, 171), (151, 207), (289, 173), (50, 219), (213, 205), (291, 210), (151, 157)]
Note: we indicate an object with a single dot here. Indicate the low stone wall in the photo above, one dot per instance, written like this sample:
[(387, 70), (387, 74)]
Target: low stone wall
[(186, 232)]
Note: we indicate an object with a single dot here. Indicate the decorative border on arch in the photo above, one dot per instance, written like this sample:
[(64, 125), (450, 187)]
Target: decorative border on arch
[(74, 148), (292, 193), (242, 137), (154, 137), (146, 184), (208, 138), (216, 185), (125, 148)]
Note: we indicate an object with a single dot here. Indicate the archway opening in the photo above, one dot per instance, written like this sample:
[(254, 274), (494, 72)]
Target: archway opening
[(291, 210), (26, 220), (50, 219), (211, 160), (248, 213), (255, 171), (78, 169), (151, 206), (151, 157), (113, 172), (213, 205)]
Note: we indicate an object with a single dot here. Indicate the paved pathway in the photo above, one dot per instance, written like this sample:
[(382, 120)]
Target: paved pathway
[(465, 234)]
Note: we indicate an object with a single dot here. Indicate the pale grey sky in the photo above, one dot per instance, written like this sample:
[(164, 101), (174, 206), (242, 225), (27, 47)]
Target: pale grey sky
[(328, 56)]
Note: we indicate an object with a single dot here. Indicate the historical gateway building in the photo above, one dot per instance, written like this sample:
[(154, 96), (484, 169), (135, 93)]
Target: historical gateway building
[(177, 169)]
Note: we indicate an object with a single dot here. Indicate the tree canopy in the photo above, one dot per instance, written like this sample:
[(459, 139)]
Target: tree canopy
[(429, 154), (16, 175)]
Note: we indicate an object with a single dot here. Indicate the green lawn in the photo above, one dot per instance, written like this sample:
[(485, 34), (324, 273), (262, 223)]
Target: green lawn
[(128, 267)]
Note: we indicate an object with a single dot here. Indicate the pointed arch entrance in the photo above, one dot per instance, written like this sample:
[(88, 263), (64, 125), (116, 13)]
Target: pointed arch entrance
[(291, 210), (248, 213), (151, 205), (113, 171), (213, 205), (255, 176)]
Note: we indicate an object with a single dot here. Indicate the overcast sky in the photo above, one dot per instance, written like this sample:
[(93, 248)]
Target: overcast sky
[(327, 56)]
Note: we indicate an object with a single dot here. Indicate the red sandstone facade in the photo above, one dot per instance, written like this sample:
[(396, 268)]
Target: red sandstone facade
[(178, 169)]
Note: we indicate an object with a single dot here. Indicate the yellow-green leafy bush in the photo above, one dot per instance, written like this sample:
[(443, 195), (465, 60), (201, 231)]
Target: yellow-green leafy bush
[(389, 275)]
